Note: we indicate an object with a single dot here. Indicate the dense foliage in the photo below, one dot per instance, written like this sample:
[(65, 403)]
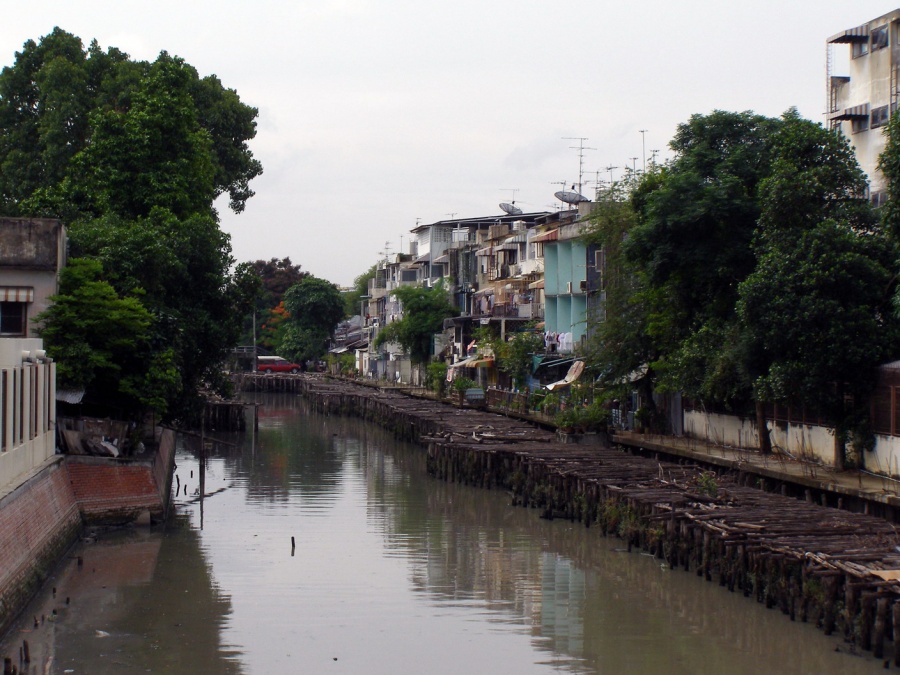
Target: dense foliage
[(750, 270), (314, 308), (424, 311), (131, 155)]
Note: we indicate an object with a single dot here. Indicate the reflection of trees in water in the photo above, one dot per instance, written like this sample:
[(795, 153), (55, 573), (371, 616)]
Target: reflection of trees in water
[(562, 582), (578, 592)]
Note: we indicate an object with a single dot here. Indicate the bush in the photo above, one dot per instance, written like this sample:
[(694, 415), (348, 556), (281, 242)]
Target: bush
[(436, 377), (460, 384), (583, 419)]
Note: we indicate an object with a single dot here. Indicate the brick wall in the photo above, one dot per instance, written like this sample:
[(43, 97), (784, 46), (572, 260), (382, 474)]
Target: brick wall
[(110, 491), (42, 518), (39, 521)]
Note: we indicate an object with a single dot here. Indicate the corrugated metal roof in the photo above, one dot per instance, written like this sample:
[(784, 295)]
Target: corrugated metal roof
[(552, 235), (858, 34), (73, 396)]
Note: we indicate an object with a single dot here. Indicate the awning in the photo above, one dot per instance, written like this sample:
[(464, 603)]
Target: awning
[(858, 34), (474, 362), (552, 235), (16, 294), (857, 111), (485, 291), (537, 284), (465, 363), (507, 247), (73, 396), (442, 259), (574, 373), (518, 238), (488, 250), (423, 258)]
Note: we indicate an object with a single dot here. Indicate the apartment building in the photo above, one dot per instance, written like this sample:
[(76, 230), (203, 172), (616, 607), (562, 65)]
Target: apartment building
[(861, 100)]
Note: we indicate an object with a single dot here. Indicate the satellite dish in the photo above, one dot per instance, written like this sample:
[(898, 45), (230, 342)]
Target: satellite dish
[(570, 197), (511, 209)]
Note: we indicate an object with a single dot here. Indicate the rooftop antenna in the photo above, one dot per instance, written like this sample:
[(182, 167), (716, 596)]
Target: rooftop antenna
[(401, 243), (452, 215), (610, 168), (563, 184), (581, 148), (597, 183)]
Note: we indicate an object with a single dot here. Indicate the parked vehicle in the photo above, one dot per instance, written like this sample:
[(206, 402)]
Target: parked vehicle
[(276, 364)]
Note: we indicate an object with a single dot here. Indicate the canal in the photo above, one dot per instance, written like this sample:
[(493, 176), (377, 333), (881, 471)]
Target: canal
[(321, 545)]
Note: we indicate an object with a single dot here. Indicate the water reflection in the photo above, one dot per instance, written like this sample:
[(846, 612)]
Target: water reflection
[(393, 572)]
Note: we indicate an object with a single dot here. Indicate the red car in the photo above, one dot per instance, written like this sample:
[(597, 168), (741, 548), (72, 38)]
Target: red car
[(276, 364)]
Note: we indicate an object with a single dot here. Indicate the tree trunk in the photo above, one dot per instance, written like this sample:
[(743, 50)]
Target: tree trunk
[(839, 457), (762, 429)]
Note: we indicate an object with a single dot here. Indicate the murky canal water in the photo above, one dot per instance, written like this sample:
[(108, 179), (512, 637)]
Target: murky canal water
[(392, 572)]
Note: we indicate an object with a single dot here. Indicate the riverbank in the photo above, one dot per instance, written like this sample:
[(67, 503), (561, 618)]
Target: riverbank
[(44, 514), (819, 564)]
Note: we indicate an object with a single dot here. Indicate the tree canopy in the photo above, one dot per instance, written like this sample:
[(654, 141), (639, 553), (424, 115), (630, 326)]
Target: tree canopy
[(131, 156), (424, 311), (751, 269), (155, 123), (315, 307)]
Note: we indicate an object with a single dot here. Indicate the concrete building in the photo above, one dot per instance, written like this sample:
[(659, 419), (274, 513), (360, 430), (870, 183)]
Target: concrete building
[(32, 251), (861, 100), (27, 408)]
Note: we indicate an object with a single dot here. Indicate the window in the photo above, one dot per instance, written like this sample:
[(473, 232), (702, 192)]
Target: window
[(860, 124), (12, 318), (880, 116), (879, 38), (600, 267), (860, 49)]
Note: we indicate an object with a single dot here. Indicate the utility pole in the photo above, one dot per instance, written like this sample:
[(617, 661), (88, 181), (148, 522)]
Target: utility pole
[(644, 147)]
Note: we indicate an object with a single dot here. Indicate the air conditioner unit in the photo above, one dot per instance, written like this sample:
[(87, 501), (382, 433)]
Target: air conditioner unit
[(583, 286)]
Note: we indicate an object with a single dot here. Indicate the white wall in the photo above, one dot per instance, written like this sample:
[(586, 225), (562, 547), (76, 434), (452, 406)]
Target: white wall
[(27, 411), (798, 440)]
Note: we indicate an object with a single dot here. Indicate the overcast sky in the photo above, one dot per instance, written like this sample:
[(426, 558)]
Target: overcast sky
[(376, 114)]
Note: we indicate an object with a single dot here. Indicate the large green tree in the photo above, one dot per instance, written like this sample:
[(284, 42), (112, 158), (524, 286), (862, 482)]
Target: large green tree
[(692, 246), (756, 272), (105, 342), (423, 314), (815, 314), (58, 99), (315, 307), (131, 155)]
